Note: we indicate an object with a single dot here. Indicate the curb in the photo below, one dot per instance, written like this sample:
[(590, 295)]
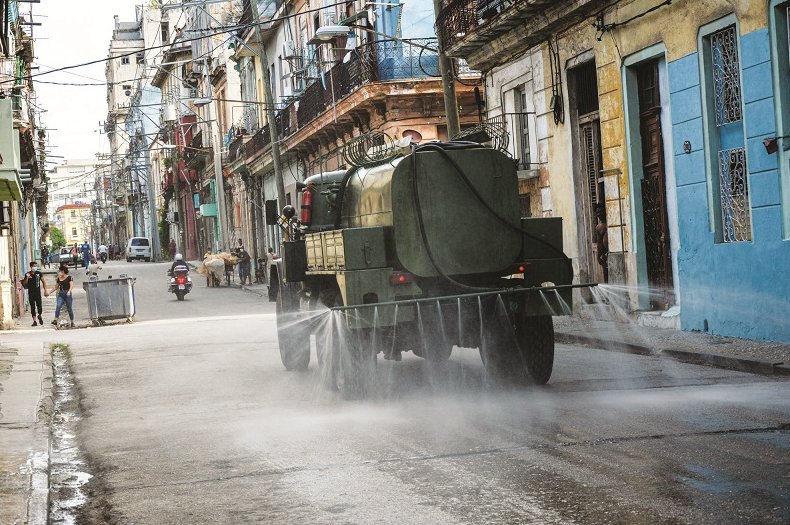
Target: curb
[(741, 364)]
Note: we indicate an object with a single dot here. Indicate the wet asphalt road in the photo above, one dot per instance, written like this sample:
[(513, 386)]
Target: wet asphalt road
[(189, 417)]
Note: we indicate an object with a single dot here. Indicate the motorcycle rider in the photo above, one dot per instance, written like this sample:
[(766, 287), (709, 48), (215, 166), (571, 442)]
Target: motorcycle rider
[(179, 264), (103, 253)]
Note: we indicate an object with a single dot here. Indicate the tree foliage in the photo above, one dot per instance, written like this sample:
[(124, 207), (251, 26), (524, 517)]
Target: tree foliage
[(57, 238)]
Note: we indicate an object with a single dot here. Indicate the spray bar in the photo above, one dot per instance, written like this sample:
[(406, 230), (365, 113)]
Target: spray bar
[(502, 291)]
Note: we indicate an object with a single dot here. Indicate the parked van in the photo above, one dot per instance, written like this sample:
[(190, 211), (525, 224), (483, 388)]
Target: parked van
[(138, 248)]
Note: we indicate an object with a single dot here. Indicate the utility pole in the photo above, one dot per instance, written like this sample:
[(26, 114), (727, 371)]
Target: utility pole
[(268, 100), (153, 222), (448, 83), (174, 166)]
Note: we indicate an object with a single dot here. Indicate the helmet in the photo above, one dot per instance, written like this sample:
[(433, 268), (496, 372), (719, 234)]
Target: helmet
[(179, 257)]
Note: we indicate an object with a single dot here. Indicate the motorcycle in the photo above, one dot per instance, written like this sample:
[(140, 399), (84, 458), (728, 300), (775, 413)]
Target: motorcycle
[(180, 283), (103, 257)]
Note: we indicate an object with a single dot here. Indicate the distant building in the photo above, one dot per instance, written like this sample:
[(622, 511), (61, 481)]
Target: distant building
[(74, 220), (71, 183)]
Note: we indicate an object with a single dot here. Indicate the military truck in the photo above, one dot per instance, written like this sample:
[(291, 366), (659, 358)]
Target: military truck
[(422, 250)]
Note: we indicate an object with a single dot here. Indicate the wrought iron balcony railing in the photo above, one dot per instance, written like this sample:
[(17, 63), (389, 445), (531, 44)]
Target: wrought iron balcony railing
[(458, 20), (381, 61)]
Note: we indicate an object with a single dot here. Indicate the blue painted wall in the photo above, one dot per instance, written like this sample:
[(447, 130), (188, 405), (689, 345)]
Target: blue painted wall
[(737, 289)]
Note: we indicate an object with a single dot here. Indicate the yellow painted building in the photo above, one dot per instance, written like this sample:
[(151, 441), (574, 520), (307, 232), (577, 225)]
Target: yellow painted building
[(74, 220)]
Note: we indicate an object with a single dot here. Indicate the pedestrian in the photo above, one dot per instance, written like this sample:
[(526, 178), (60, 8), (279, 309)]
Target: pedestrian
[(260, 270), (117, 251), (602, 240), (93, 268), (64, 286), (85, 250), (171, 248), (45, 256), (33, 282), (244, 266), (75, 255), (274, 287)]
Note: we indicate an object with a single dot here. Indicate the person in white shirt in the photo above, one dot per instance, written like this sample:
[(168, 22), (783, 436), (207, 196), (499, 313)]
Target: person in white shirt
[(93, 267)]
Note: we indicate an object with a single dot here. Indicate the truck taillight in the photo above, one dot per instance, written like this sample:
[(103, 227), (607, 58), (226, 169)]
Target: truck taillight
[(307, 208), (521, 267), (398, 278)]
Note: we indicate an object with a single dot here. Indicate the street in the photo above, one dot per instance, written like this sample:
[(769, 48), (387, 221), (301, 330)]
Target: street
[(187, 416)]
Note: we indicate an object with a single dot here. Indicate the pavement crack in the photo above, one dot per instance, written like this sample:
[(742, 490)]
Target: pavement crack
[(783, 427)]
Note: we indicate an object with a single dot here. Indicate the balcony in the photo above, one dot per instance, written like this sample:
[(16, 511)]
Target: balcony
[(384, 61), (469, 27), (194, 154)]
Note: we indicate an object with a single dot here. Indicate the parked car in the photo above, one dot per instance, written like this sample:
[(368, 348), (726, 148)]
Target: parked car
[(64, 255), (138, 248)]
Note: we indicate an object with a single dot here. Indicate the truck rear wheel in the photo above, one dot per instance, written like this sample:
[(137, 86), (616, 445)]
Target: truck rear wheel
[(293, 331), (522, 353), (356, 370), (346, 358), (535, 337)]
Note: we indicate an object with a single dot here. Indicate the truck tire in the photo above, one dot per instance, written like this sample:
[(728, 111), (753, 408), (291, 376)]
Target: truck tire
[(535, 336), (346, 358), (293, 333), (518, 351), (356, 365)]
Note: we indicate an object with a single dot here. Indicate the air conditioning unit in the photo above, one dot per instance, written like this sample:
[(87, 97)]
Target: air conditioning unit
[(289, 49)]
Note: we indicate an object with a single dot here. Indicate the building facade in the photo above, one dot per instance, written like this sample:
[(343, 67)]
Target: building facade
[(23, 188), (655, 122), (75, 221), (378, 77)]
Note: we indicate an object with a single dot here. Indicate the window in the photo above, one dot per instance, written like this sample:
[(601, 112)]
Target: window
[(124, 60), (272, 77), (127, 87), (73, 214), (732, 219), (524, 204), (522, 128), (140, 58), (140, 241), (165, 31), (74, 233)]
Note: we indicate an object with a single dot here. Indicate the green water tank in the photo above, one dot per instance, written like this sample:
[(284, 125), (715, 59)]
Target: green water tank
[(463, 236)]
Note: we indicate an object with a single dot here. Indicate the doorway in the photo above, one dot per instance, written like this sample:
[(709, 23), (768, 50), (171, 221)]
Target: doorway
[(588, 176), (658, 253)]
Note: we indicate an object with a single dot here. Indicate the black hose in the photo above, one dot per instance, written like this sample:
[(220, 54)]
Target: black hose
[(424, 234)]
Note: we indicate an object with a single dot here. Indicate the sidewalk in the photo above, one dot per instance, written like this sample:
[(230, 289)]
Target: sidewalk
[(691, 347), (25, 413)]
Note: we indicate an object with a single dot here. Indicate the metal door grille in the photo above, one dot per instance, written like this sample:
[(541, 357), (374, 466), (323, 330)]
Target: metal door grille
[(733, 190), (726, 76)]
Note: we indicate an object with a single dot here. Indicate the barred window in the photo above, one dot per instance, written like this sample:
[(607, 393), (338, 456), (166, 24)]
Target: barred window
[(726, 76), (730, 183)]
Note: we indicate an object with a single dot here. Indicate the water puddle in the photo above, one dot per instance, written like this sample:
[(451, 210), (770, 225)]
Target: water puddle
[(68, 468)]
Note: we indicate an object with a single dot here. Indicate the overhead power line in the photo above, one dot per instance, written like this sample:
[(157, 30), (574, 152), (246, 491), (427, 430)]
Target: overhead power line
[(220, 31)]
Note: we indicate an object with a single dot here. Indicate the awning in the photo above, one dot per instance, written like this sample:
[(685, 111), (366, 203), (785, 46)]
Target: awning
[(10, 186)]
